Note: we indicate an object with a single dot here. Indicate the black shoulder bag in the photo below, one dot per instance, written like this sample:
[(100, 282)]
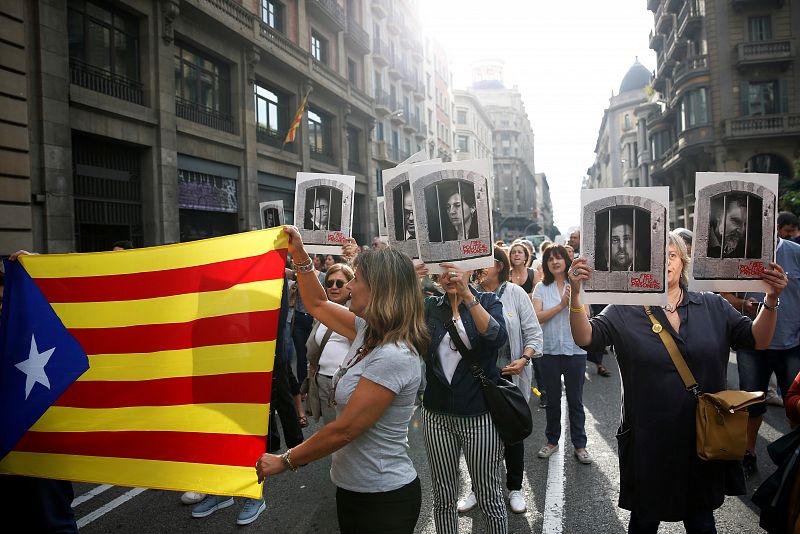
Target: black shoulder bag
[(510, 412)]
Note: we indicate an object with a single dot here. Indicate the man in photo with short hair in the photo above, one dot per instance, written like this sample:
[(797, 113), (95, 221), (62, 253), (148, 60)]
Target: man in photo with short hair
[(726, 238), (621, 242), (408, 216)]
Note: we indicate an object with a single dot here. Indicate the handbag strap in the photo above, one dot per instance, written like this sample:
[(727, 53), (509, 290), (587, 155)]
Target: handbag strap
[(674, 353), (467, 354)]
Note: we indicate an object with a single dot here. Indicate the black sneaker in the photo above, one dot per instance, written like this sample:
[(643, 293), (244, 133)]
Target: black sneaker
[(749, 464), (543, 400)]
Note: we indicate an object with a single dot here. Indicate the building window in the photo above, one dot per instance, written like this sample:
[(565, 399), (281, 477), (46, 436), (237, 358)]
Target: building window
[(200, 80), (319, 136), (202, 89), (319, 47), (272, 115), (272, 14), (104, 38), (353, 154), (627, 121), (661, 142), (694, 109), (463, 143), (760, 28), (765, 98), (352, 71), (461, 116), (379, 131)]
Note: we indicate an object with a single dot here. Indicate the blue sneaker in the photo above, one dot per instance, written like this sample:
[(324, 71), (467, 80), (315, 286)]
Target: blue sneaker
[(250, 511), (211, 504)]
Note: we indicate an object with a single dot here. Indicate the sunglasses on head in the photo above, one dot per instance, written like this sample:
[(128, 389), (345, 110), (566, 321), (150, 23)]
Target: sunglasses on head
[(339, 283)]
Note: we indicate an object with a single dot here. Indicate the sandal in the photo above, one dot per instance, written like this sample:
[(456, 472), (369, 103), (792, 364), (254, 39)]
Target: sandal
[(602, 371), (303, 419)]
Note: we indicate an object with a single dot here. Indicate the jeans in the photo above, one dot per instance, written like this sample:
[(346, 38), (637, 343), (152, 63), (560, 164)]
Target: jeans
[(41, 504), (756, 366), (573, 368), (301, 329), (699, 523), (388, 512)]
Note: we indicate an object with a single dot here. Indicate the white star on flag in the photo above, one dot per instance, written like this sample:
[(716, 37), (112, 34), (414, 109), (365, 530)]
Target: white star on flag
[(33, 367)]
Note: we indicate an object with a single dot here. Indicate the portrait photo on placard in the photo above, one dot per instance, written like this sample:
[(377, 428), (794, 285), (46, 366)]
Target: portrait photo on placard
[(324, 210), (734, 230), (624, 237), (381, 208), (271, 213), (452, 209), (400, 221)]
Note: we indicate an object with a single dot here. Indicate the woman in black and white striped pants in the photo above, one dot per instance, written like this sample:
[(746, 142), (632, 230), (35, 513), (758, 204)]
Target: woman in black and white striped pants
[(456, 419)]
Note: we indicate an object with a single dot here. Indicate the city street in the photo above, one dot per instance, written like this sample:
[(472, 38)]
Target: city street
[(562, 495)]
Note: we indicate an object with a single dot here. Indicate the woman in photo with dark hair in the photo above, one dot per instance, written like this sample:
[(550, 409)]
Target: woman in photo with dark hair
[(561, 356), (378, 490), (458, 218), (661, 476)]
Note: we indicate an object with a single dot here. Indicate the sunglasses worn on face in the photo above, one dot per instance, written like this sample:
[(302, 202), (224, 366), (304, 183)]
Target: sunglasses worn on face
[(339, 283)]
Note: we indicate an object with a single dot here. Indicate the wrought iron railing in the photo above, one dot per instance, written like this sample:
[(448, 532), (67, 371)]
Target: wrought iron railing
[(192, 111), (321, 153), (103, 81)]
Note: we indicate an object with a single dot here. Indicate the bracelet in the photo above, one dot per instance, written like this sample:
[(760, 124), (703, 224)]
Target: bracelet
[(287, 461), (472, 304), (577, 310), (771, 308), (308, 261), (527, 358)]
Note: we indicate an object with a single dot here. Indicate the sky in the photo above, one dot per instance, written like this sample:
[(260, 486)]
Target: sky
[(565, 57)]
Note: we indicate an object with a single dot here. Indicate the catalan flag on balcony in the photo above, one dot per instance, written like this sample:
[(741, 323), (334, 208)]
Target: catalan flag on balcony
[(149, 367), (298, 117)]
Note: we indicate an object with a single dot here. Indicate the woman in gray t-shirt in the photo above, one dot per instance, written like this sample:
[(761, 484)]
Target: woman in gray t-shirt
[(374, 390)]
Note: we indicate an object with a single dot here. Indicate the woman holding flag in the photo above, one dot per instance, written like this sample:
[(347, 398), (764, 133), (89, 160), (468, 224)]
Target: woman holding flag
[(374, 391)]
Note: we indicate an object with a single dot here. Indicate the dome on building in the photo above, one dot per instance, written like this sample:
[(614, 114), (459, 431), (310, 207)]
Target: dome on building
[(636, 78)]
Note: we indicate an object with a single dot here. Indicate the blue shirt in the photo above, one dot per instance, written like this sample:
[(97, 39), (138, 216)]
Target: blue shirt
[(787, 328), (556, 332)]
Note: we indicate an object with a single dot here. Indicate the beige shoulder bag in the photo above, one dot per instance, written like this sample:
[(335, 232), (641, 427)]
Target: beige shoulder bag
[(721, 419)]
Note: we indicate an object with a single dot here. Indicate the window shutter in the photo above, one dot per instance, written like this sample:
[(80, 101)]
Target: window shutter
[(783, 96), (744, 90)]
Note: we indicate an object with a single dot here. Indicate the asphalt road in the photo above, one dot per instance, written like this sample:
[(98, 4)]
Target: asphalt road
[(562, 495)]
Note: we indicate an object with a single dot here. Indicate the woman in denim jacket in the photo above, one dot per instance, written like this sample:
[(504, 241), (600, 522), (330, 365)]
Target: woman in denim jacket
[(456, 419)]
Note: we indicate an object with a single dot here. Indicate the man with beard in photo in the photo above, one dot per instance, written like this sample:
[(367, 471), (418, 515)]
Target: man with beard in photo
[(727, 237), (621, 241)]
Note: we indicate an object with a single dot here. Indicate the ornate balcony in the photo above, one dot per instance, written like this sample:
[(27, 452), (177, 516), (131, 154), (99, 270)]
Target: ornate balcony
[(380, 8), (409, 125), (762, 52), (200, 114), (323, 154), (329, 12), (274, 138), (382, 103), (105, 82), (690, 19), (656, 40), (784, 124), (380, 52), (356, 36), (760, 4), (689, 68)]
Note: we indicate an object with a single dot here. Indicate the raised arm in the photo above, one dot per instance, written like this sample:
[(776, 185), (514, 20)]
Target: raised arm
[(764, 324), (578, 320), (336, 317)]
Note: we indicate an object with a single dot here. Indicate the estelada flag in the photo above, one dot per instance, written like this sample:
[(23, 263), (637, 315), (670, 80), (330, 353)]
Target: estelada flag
[(292, 133), (148, 367)]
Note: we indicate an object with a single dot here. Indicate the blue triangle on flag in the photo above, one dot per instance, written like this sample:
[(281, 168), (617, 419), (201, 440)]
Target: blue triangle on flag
[(29, 329)]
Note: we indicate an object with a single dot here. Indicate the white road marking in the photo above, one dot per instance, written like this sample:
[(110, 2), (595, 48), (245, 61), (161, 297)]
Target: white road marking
[(103, 510), (553, 522), (92, 493)]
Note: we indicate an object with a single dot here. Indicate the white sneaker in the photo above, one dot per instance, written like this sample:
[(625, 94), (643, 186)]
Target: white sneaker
[(547, 451), (773, 399), (469, 502), (517, 501), (191, 497)]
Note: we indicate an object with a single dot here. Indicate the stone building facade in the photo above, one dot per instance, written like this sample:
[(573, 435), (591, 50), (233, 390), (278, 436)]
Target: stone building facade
[(473, 128), (727, 94), (165, 121)]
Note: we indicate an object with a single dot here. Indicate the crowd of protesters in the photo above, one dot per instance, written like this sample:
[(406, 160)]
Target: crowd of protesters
[(369, 335)]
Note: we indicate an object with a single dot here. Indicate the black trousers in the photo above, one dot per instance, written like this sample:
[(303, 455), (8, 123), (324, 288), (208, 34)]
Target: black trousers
[(389, 512), (699, 523), (282, 404), (41, 504)]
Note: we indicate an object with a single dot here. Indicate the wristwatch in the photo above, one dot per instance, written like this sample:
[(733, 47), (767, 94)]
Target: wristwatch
[(771, 308), (470, 305), (528, 359)]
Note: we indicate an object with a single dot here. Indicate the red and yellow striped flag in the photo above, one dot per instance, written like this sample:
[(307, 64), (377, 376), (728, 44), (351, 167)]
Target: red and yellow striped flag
[(292, 133), (180, 341)]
